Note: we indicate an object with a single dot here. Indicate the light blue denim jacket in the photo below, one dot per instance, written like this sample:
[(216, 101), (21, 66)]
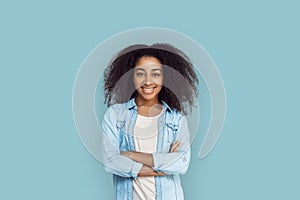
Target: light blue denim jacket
[(117, 129)]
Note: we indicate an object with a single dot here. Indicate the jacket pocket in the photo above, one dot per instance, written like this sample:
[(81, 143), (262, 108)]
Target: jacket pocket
[(172, 131), (123, 139), (120, 124)]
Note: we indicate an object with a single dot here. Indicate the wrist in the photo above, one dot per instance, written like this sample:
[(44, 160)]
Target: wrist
[(129, 154), (126, 153)]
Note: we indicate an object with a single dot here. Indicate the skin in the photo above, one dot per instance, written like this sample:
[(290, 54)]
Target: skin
[(148, 79)]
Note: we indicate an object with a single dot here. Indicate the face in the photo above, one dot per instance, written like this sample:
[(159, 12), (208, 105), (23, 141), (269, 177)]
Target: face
[(148, 78)]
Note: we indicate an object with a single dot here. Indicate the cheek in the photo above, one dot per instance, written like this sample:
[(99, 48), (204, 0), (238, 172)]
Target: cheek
[(160, 81), (159, 88), (136, 81)]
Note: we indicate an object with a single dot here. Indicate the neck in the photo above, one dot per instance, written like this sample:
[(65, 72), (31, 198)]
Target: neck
[(146, 103)]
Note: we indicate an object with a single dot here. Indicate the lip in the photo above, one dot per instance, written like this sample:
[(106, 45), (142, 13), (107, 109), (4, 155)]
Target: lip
[(148, 90)]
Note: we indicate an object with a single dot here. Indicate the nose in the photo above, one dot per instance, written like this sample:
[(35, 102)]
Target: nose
[(148, 79)]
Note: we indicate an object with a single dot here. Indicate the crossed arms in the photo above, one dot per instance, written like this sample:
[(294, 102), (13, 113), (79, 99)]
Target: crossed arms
[(147, 160), (133, 164)]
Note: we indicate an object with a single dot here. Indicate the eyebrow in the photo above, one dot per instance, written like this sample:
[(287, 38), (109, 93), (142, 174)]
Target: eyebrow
[(157, 69)]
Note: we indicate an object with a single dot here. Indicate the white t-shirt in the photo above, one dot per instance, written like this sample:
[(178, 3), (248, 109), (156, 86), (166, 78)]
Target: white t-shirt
[(145, 140)]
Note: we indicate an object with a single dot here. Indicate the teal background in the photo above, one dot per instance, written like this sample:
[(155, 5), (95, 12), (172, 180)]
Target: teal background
[(255, 45)]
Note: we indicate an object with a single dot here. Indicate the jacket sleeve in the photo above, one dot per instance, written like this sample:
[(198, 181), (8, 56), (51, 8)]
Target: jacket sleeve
[(177, 162), (111, 158)]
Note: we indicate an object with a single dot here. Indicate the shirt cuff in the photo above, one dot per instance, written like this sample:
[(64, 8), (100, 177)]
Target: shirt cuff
[(162, 160), (136, 168), (156, 158)]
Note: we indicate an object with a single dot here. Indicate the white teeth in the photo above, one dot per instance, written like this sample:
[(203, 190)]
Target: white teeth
[(148, 90)]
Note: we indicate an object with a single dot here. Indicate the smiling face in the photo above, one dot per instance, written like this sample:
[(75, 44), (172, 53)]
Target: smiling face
[(148, 78)]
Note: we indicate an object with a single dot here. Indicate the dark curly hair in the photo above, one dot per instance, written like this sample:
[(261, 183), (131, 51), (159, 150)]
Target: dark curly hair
[(179, 78)]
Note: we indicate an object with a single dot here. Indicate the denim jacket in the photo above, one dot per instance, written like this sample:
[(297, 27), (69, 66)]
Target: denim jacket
[(117, 129)]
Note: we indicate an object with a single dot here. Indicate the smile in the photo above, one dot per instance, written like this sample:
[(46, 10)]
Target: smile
[(148, 90)]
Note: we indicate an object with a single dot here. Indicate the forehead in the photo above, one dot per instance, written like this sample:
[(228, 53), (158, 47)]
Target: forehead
[(148, 62)]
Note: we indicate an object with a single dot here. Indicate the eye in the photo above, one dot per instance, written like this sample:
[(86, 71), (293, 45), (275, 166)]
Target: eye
[(140, 74), (156, 75)]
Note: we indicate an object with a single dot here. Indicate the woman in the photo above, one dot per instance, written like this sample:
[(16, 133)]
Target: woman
[(146, 146)]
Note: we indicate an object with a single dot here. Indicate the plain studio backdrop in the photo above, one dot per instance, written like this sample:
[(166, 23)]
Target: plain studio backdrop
[(254, 44)]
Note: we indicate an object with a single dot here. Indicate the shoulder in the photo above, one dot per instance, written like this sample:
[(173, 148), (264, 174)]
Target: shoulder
[(119, 106), (172, 111), (173, 116), (120, 111), (115, 110)]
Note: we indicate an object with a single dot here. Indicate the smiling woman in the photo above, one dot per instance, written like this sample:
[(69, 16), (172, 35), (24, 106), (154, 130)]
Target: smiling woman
[(146, 141)]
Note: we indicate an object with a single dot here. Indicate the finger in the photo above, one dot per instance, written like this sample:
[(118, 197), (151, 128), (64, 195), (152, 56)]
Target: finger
[(176, 148), (174, 144), (171, 147)]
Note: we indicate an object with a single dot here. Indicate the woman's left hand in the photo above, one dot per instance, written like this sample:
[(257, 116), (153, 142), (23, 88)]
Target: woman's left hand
[(175, 147)]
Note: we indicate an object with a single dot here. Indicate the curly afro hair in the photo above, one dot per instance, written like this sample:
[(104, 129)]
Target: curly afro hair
[(180, 81)]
